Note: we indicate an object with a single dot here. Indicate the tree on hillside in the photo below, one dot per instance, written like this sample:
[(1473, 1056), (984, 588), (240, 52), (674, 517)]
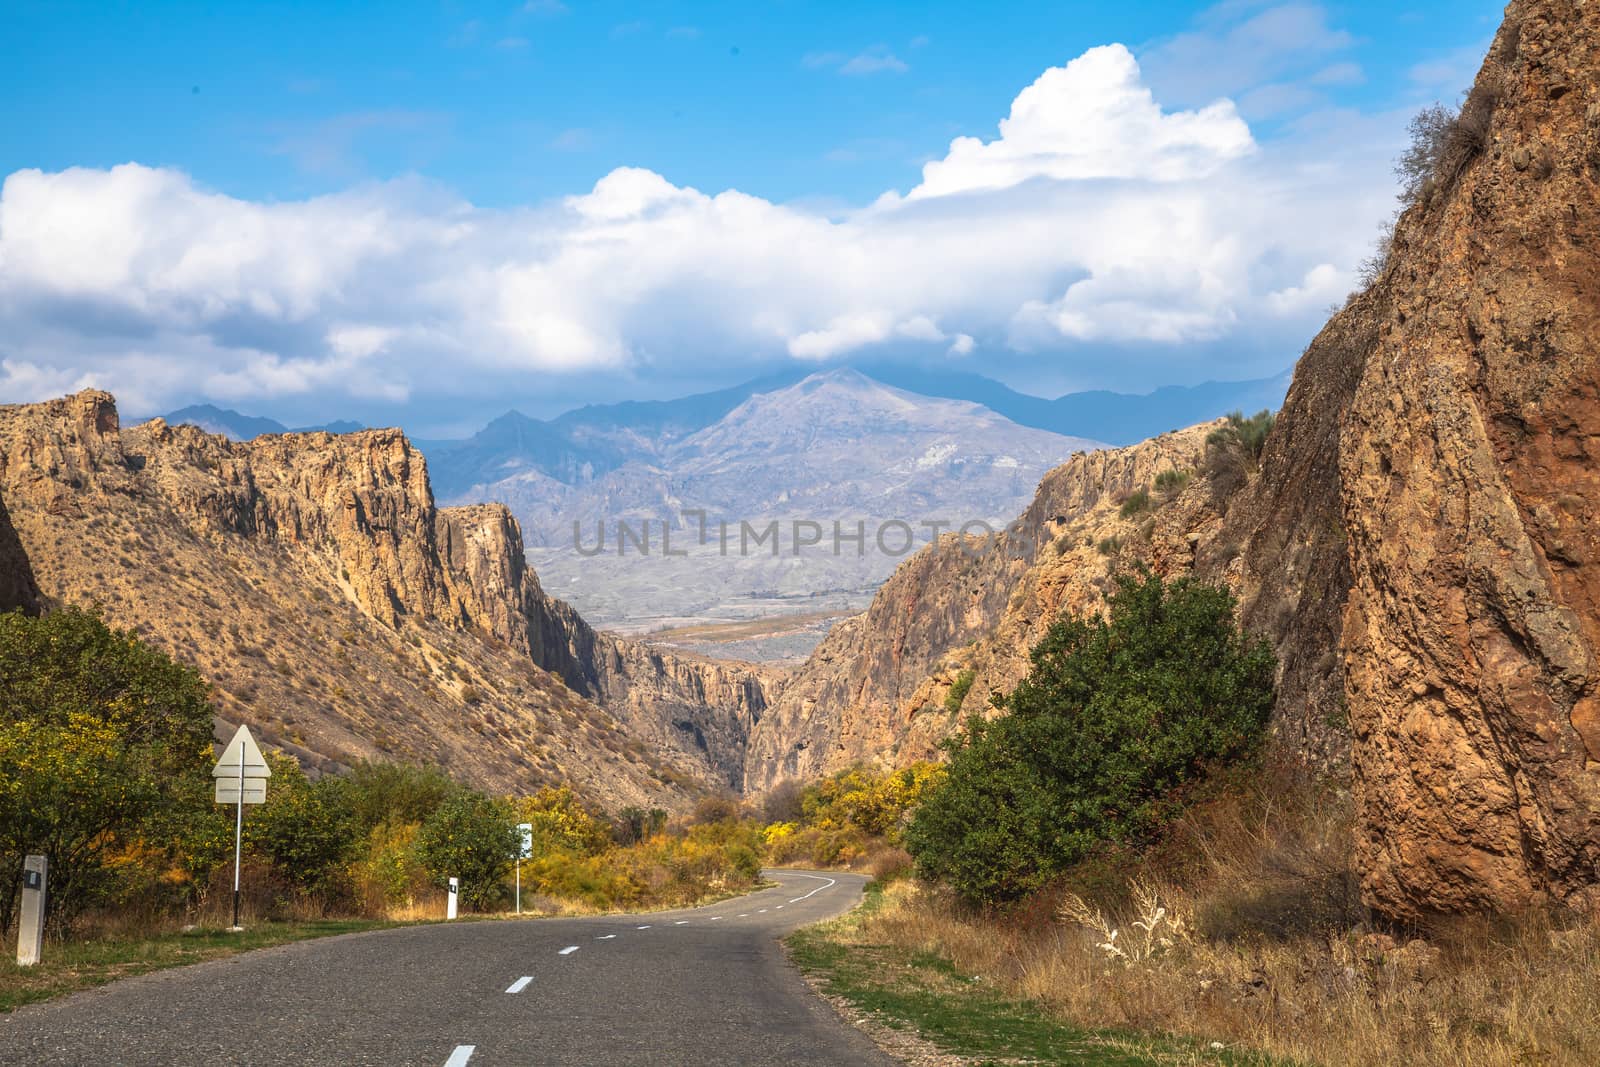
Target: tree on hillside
[(474, 838), (106, 742), (1117, 714)]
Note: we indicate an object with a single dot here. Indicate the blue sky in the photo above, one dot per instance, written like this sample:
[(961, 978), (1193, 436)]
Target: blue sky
[(433, 117)]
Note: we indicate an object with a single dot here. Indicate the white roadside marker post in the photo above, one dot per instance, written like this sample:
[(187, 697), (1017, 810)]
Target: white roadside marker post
[(30, 924), (450, 900)]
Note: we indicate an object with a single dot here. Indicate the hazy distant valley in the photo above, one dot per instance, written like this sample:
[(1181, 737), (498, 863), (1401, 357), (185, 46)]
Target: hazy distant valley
[(838, 447)]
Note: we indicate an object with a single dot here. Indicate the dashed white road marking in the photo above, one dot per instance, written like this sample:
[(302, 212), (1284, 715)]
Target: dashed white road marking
[(681, 922), (569, 950), (831, 883), (460, 1056), (520, 984), (714, 918), (605, 937), (646, 926), (763, 911), (744, 915)]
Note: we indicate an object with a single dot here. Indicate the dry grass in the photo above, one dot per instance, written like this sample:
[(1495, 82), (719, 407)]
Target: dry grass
[(1260, 943)]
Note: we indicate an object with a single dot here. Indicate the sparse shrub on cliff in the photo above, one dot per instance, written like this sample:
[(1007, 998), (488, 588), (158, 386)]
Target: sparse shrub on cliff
[(957, 694), (1443, 141), (1137, 503), (1430, 131), (1233, 450), (1170, 483), (1116, 715)]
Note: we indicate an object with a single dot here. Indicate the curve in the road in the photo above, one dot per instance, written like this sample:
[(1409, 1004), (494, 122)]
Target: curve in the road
[(700, 986)]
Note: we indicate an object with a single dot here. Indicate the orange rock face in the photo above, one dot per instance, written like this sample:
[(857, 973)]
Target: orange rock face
[(1471, 488)]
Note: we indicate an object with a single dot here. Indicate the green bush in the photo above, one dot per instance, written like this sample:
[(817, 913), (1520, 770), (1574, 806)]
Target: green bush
[(1169, 483), (397, 793), (105, 754), (474, 838), (307, 829), (958, 691), (1242, 437), (1136, 504), (1115, 717)]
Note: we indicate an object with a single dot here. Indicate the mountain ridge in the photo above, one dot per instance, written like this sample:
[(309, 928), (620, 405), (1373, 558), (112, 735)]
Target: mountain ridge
[(338, 610)]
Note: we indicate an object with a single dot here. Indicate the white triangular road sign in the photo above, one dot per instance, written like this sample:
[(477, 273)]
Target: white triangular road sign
[(255, 764)]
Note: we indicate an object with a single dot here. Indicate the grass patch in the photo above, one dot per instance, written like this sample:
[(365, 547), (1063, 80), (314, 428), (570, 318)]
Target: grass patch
[(68, 967), (921, 991)]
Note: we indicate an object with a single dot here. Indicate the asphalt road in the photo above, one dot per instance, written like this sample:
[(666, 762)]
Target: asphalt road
[(704, 986)]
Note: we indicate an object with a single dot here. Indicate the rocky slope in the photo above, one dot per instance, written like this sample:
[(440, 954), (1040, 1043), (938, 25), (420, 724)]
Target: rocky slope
[(311, 578), (1471, 479), (874, 690)]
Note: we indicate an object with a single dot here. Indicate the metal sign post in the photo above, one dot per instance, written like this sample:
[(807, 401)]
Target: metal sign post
[(241, 775), (524, 850)]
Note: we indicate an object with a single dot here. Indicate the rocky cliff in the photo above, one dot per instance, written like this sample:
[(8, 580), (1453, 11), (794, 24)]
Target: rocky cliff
[(1471, 482), (311, 578), (696, 710)]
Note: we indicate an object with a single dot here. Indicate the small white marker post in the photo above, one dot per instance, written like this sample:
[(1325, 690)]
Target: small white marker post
[(30, 923), (450, 900), (241, 775)]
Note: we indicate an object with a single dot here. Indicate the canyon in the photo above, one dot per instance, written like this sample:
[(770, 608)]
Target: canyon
[(1416, 538)]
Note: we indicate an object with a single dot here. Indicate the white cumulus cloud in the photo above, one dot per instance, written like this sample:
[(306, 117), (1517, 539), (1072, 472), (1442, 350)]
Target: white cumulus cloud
[(1094, 218), (1092, 118)]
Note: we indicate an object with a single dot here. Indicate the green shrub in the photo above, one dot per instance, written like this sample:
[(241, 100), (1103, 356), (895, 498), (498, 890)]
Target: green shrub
[(397, 793), (958, 691), (474, 838), (1169, 483), (1116, 715), (307, 829), (1109, 546), (1137, 503)]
